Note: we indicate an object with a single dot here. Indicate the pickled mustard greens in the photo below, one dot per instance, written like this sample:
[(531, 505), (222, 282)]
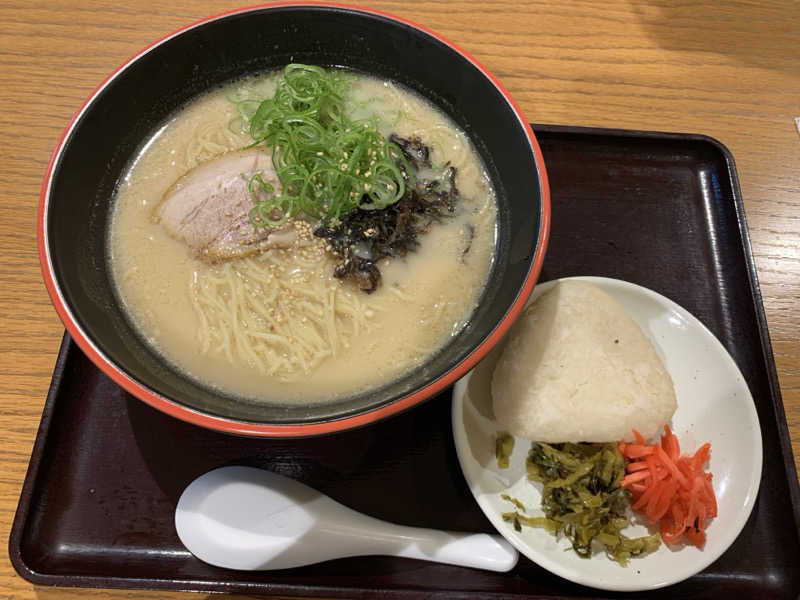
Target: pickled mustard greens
[(582, 498), (503, 447), (513, 501)]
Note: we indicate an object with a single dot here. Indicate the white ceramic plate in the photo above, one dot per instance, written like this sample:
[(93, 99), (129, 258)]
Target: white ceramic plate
[(714, 405)]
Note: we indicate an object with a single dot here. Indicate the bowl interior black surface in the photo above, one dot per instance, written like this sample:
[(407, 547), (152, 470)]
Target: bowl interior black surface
[(134, 102)]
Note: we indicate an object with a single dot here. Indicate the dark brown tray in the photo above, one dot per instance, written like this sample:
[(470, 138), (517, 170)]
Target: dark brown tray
[(660, 210)]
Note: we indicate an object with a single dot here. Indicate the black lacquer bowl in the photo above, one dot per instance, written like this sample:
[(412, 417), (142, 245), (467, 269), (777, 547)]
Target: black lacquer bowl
[(125, 109)]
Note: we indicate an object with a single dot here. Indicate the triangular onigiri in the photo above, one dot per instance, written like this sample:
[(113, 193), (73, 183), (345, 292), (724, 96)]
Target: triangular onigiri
[(577, 368)]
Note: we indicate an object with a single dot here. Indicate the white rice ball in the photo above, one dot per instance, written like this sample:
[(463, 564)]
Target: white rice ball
[(577, 368)]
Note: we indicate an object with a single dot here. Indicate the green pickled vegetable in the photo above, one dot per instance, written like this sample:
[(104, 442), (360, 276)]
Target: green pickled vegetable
[(519, 519), (503, 447), (513, 501), (582, 498)]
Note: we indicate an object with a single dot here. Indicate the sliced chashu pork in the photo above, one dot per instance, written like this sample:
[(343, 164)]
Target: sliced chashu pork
[(208, 208)]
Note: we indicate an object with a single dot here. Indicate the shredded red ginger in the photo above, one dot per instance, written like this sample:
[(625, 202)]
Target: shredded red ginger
[(672, 490)]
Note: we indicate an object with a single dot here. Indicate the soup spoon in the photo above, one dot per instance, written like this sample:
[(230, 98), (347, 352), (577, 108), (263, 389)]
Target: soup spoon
[(253, 519)]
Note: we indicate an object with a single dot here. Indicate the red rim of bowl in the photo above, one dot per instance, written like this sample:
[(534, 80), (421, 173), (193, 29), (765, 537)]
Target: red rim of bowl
[(196, 417)]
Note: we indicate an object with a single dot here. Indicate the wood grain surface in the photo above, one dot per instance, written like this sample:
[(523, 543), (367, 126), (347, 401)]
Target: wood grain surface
[(727, 69)]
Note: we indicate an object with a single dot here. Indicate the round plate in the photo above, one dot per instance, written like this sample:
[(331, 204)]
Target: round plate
[(714, 405)]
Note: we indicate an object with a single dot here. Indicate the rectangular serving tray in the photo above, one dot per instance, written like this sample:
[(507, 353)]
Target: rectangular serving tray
[(660, 210)]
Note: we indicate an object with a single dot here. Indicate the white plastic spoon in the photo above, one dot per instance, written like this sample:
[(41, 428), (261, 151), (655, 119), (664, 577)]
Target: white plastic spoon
[(252, 519)]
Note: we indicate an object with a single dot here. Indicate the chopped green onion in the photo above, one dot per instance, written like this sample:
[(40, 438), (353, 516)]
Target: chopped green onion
[(328, 164)]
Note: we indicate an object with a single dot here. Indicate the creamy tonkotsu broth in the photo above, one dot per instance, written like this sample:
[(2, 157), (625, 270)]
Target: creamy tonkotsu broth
[(278, 326)]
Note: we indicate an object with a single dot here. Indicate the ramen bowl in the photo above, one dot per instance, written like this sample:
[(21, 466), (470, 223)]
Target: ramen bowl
[(124, 111)]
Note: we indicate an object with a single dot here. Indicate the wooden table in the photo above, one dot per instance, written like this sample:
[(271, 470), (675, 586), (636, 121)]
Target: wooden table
[(730, 70)]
